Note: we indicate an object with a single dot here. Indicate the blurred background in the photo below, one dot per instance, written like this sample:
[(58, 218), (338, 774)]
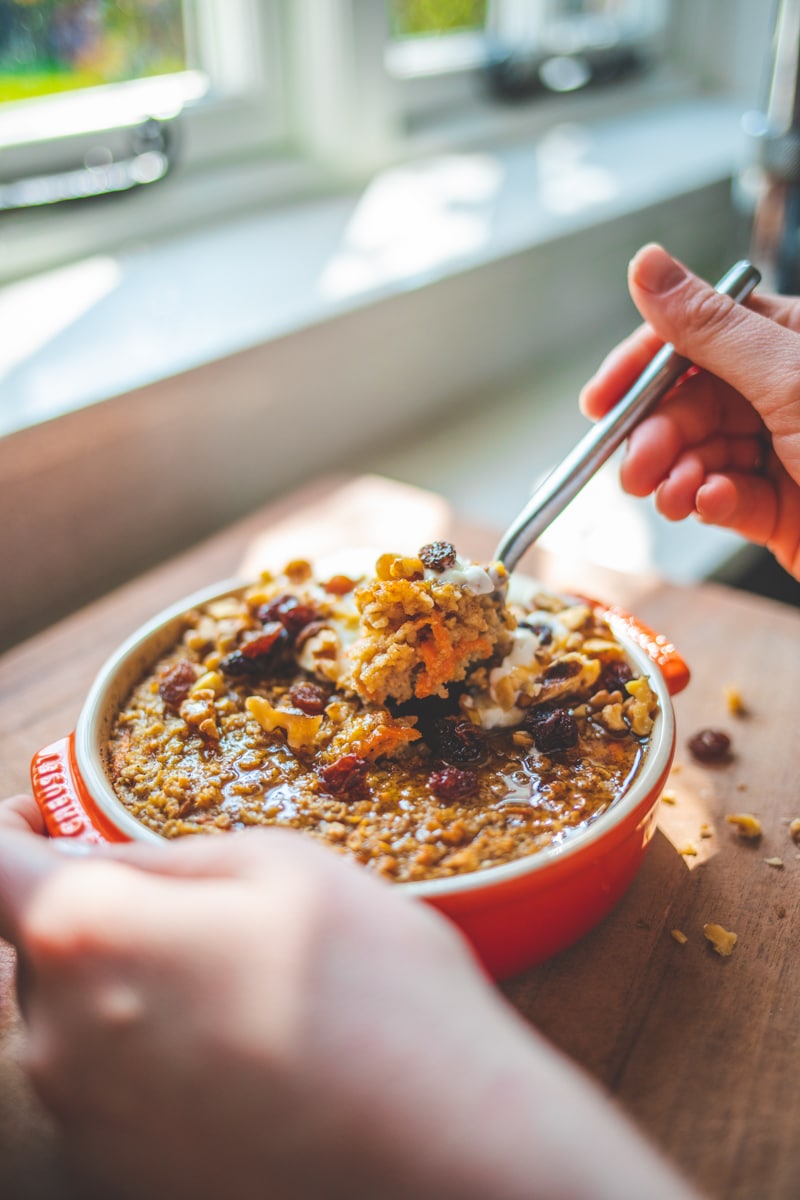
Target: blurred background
[(247, 242)]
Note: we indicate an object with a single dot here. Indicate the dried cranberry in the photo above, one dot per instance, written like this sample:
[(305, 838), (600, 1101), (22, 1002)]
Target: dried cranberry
[(453, 784), (458, 741), (614, 676), (308, 697), (345, 775), (543, 632), (559, 671), (287, 609), (264, 642), (552, 728), (710, 745), (174, 684), (438, 556)]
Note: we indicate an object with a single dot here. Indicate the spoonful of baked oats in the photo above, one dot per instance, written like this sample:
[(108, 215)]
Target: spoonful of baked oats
[(424, 622)]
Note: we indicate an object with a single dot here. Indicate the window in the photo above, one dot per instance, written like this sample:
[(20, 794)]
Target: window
[(253, 99), (525, 47), (98, 96)]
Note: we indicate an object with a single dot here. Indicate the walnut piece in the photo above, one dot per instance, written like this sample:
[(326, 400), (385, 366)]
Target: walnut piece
[(721, 939)]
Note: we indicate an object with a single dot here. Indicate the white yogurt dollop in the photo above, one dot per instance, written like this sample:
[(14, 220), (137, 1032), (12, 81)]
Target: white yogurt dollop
[(472, 577)]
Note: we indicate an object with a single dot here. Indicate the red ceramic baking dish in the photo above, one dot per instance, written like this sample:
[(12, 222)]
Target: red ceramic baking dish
[(515, 915)]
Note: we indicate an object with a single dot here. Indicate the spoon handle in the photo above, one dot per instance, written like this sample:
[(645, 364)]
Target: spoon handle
[(566, 480)]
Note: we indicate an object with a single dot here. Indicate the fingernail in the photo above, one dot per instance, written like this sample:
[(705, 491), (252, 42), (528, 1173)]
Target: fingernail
[(654, 270)]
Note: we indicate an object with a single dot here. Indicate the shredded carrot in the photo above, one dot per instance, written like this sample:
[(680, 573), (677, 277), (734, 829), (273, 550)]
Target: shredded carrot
[(441, 655), (384, 739)]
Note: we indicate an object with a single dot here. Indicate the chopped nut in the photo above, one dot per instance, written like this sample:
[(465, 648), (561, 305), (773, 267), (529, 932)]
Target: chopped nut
[(298, 570), (640, 708), (211, 681), (721, 939), (679, 936), (774, 862), (748, 826), (521, 737), (611, 716), (735, 704), (300, 729)]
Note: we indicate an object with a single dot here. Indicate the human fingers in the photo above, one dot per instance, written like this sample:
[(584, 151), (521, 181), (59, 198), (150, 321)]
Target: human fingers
[(699, 409), (676, 496), (21, 813), (754, 354), (25, 861), (737, 500), (252, 853), (618, 371)]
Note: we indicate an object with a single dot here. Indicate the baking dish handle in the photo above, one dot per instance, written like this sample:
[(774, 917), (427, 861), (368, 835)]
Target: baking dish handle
[(66, 806), (675, 671)]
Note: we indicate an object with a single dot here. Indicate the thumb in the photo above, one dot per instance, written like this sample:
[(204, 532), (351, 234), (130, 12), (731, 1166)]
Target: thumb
[(752, 353)]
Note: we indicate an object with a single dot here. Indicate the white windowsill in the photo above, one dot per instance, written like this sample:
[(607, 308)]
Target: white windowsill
[(151, 397), (113, 323)]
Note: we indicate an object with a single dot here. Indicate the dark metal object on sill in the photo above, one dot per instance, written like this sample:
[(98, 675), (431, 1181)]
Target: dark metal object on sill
[(774, 183), (148, 153), (513, 75)]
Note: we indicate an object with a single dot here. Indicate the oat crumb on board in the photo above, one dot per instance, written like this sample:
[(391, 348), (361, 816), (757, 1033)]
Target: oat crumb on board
[(734, 701), (679, 936), (721, 939), (794, 829), (706, 831), (747, 826), (688, 851), (669, 797), (774, 862)]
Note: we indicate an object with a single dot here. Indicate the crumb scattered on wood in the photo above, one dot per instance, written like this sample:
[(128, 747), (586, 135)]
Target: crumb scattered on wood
[(794, 829), (669, 797), (688, 850), (774, 862), (706, 831), (747, 826), (679, 936), (734, 701), (721, 939)]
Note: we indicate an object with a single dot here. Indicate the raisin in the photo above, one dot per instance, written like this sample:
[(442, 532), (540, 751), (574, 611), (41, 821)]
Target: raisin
[(458, 741), (264, 642), (710, 746), (438, 556), (559, 671), (345, 775), (453, 783), (552, 728), (175, 683), (542, 631), (287, 609), (237, 663), (308, 697), (614, 676)]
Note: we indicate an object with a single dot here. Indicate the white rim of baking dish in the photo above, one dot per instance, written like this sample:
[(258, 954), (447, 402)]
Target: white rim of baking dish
[(142, 649)]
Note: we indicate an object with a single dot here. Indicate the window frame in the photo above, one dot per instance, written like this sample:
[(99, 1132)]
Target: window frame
[(312, 108)]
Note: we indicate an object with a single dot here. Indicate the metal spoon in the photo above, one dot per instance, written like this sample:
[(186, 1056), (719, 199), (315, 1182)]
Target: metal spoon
[(566, 480)]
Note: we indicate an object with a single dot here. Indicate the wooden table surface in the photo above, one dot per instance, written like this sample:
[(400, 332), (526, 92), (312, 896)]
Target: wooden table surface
[(703, 1051)]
